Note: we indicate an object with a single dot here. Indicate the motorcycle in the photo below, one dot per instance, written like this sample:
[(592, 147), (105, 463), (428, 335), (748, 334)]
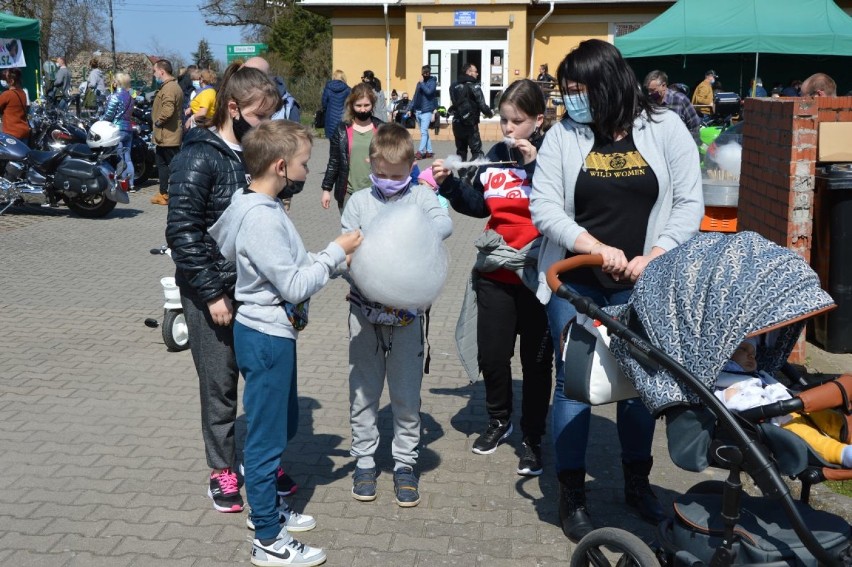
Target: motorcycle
[(143, 151), (174, 329), (78, 175)]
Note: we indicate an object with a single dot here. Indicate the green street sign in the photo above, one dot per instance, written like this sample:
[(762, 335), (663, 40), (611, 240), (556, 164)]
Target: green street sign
[(246, 50)]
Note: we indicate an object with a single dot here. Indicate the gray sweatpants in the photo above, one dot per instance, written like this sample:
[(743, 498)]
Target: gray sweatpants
[(376, 351), (213, 353)]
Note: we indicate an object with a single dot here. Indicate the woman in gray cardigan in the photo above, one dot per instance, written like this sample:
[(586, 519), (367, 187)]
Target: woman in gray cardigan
[(619, 179)]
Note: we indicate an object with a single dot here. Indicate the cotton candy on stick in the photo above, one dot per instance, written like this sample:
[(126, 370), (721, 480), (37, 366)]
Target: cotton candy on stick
[(454, 163), (402, 261)]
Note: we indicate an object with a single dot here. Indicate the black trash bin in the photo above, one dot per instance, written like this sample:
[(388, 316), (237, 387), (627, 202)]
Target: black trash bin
[(831, 254)]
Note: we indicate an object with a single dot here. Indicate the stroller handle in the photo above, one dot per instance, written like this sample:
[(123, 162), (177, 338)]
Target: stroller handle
[(572, 263)]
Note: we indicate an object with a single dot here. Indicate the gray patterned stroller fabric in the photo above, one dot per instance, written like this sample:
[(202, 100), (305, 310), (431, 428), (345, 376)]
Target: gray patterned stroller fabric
[(698, 302)]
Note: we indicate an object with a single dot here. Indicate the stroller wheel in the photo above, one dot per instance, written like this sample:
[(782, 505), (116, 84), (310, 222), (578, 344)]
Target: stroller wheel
[(613, 546)]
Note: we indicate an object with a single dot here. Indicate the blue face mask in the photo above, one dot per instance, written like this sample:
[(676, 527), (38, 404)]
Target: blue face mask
[(577, 107)]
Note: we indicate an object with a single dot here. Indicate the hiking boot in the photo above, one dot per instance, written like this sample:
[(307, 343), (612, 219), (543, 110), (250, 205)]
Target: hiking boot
[(364, 484), (405, 487), (225, 492), (638, 493), (418, 155), (284, 550), (573, 514), (289, 518), (496, 433), (530, 461), (285, 485), (160, 199)]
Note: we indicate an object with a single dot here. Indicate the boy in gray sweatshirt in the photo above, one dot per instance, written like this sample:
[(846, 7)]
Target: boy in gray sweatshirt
[(276, 277), (384, 340)]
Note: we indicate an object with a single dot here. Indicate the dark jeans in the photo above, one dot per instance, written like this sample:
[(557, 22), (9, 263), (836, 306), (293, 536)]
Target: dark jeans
[(164, 156), (503, 312), (467, 136), (571, 419)]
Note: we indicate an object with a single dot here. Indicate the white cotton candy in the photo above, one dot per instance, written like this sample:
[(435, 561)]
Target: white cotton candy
[(402, 261), (454, 163), (730, 157)]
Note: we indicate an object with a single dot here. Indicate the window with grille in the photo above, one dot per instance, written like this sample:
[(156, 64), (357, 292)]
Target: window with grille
[(624, 29)]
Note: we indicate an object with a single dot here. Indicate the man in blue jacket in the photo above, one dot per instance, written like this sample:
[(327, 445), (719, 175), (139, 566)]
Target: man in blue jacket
[(423, 106)]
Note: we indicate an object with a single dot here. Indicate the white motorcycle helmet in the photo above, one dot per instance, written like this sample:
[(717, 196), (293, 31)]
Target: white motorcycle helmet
[(103, 134)]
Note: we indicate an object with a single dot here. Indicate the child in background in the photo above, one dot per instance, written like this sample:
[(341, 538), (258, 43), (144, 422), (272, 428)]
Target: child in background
[(741, 386), (426, 178), (275, 279), (502, 289), (379, 348)]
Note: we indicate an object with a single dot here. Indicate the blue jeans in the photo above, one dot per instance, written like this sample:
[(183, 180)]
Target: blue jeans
[(125, 142), (571, 418), (424, 119), (268, 364)]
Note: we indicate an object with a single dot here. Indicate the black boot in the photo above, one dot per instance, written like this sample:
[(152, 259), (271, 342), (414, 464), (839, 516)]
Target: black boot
[(638, 493), (573, 515)]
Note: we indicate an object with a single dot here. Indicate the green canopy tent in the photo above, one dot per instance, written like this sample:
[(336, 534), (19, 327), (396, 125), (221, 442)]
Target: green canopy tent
[(701, 27), (29, 32)]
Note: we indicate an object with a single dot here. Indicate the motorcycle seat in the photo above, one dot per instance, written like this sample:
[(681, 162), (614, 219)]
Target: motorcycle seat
[(45, 160), (80, 151)]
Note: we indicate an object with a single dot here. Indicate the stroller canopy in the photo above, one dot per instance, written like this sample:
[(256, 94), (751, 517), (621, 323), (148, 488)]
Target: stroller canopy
[(699, 301)]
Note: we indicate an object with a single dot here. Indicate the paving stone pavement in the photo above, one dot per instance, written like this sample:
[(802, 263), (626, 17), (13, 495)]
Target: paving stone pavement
[(100, 444)]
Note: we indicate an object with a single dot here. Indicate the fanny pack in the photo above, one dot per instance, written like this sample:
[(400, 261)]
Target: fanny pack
[(380, 314), (297, 313)]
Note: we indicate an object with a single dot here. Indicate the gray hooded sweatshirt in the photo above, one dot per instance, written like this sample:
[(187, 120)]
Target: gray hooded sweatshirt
[(273, 266)]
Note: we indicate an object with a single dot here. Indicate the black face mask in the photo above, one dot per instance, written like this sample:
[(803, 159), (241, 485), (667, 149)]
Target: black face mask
[(291, 188), (240, 126), (363, 115)]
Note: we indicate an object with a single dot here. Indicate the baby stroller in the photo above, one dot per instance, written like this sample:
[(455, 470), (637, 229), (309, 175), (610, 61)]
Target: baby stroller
[(689, 311)]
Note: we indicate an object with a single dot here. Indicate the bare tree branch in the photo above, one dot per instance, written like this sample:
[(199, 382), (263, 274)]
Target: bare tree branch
[(257, 15)]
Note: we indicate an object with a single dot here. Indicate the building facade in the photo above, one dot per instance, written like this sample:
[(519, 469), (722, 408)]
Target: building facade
[(506, 40)]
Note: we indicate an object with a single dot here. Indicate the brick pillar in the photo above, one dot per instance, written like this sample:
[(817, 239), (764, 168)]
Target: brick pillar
[(777, 179)]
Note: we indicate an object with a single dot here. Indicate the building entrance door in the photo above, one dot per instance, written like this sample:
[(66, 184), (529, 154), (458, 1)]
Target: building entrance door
[(448, 51)]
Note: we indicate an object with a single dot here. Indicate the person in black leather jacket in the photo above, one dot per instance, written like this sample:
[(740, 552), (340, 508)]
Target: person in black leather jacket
[(358, 122), (205, 174)]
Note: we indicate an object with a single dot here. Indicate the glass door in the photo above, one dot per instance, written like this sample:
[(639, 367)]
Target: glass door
[(484, 48)]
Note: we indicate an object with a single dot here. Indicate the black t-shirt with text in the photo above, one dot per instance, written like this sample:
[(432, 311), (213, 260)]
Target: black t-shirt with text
[(613, 198)]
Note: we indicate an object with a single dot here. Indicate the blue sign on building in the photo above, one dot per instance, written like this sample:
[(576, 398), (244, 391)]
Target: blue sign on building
[(464, 18)]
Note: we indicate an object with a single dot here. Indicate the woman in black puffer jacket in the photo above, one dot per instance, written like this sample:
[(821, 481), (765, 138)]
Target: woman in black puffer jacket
[(205, 174), (356, 130)]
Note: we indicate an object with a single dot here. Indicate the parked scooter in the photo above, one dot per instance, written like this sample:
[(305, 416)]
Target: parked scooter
[(78, 175), (174, 328)]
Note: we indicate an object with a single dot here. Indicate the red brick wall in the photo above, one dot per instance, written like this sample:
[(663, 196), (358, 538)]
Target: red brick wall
[(777, 179)]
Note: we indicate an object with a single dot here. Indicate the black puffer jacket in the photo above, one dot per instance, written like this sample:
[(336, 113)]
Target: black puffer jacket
[(337, 171), (204, 176)]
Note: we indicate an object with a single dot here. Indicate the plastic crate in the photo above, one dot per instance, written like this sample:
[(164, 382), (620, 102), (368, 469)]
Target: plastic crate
[(719, 219)]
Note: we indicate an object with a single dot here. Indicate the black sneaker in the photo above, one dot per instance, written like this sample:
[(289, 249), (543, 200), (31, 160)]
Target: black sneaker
[(530, 461), (497, 432), (225, 492)]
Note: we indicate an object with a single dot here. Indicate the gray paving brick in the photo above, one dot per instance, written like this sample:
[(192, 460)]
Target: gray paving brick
[(92, 402)]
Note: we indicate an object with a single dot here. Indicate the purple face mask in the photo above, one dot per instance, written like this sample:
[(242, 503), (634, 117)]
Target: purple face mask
[(389, 187)]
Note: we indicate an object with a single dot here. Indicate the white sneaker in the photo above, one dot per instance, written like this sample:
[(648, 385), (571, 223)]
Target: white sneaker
[(286, 551), (289, 518)]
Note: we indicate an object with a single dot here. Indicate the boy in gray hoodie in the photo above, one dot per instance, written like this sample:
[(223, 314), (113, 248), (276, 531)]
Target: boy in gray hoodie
[(276, 277)]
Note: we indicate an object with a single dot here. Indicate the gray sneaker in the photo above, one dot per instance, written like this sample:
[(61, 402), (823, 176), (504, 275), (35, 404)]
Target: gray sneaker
[(289, 518), (285, 551)]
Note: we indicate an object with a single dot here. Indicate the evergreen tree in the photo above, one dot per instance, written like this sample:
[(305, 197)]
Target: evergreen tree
[(203, 58), (296, 33)]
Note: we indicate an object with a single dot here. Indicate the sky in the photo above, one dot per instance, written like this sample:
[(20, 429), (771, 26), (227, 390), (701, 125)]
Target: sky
[(176, 26)]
